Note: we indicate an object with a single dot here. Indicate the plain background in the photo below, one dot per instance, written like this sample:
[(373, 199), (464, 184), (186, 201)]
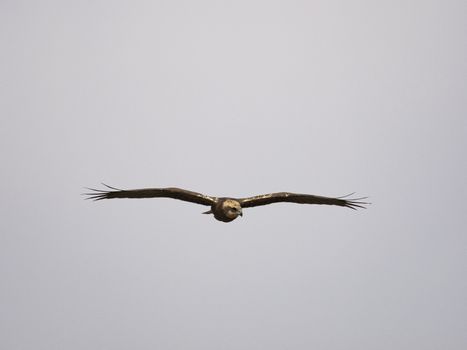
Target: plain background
[(233, 98)]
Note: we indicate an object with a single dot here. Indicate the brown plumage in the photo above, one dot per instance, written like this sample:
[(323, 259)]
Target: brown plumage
[(224, 209)]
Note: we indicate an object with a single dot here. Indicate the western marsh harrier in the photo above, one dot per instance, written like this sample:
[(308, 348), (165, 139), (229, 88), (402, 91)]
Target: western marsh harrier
[(224, 208)]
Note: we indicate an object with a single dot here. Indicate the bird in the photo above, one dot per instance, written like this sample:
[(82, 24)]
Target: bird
[(225, 209)]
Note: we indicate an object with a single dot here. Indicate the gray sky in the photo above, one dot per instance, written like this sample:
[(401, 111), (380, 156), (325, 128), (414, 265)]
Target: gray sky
[(233, 98)]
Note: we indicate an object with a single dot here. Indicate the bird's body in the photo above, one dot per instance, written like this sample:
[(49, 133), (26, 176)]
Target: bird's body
[(224, 208)]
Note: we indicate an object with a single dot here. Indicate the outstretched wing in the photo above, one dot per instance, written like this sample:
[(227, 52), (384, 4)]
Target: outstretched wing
[(302, 199), (171, 192)]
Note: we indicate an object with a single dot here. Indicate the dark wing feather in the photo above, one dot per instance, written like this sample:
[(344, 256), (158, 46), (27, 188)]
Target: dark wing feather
[(171, 192), (270, 198)]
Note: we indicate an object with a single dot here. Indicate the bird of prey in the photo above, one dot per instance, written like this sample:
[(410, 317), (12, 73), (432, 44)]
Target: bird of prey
[(225, 209)]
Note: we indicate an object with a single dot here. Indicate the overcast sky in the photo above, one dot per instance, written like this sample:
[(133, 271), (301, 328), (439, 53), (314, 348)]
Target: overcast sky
[(233, 98)]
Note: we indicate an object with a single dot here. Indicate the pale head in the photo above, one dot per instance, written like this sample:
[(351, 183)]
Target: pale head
[(232, 209)]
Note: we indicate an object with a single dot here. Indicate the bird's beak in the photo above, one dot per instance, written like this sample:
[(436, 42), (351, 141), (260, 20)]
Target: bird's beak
[(241, 213)]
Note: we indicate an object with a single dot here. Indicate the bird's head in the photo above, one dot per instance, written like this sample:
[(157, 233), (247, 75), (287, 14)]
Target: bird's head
[(232, 209)]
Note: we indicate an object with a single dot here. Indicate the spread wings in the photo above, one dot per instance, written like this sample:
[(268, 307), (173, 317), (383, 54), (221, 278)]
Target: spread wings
[(300, 198), (194, 197), (171, 192)]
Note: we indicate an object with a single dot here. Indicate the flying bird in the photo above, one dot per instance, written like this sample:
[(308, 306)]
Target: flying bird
[(224, 209)]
